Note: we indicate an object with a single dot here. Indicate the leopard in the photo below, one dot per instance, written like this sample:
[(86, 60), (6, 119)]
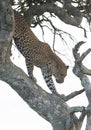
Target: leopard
[(38, 53)]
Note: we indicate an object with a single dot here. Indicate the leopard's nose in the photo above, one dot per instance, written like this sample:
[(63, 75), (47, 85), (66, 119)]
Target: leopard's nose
[(59, 81)]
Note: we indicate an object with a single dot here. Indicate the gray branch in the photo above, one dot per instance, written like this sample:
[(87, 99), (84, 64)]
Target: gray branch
[(79, 58), (71, 116), (72, 95), (81, 73), (61, 13)]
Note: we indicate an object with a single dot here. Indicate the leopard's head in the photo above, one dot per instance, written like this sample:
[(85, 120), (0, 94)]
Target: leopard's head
[(59, 70)]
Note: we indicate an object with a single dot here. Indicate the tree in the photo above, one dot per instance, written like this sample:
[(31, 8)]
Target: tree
[(52, 108)]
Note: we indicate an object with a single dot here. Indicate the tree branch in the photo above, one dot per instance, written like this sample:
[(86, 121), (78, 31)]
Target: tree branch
[(79, 58), (78, 71), (61, 13), (72, 10), (76, 48), (72, 95), (83, 112)]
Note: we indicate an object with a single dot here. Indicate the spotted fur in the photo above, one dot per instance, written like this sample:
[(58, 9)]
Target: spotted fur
[(38, 54)]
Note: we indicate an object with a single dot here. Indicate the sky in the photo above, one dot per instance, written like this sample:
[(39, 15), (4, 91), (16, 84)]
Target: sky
[(14, 112)]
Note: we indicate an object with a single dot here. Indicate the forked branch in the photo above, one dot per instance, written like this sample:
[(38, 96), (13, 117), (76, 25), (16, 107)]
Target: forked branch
[(79, 59)]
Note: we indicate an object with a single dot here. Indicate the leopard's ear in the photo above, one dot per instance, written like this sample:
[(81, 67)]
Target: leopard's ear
[(67, 67)]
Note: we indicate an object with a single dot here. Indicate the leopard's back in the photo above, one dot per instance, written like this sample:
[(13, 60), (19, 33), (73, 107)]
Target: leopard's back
[(22, 29), (27, 42), (24, 37)]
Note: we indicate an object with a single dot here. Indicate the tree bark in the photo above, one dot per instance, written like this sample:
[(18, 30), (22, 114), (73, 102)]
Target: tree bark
[(61, 13), (51, 107)]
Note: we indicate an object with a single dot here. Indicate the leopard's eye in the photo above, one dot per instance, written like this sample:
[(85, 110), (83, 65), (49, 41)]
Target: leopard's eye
[(62, 75)]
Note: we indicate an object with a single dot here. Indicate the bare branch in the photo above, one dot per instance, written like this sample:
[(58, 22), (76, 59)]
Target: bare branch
[(71, 116), (83, 112), (85, 70), (85, 83), (72, 95), (79, 67), (75, 49), (81, 58), (77, 109)]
